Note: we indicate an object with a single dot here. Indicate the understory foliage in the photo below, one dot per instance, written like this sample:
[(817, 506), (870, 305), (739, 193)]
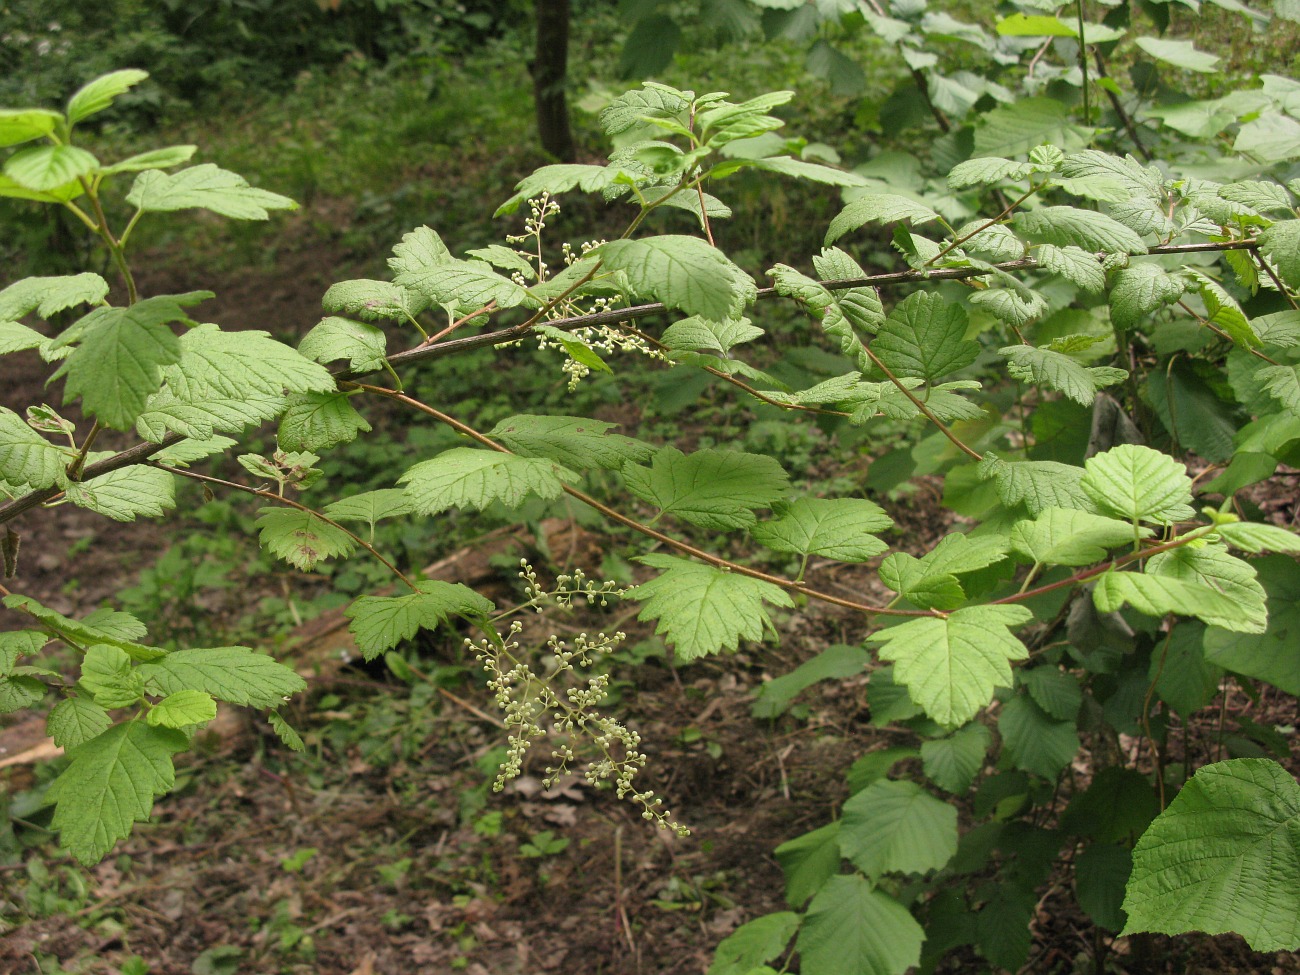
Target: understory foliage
[(1092, 338)]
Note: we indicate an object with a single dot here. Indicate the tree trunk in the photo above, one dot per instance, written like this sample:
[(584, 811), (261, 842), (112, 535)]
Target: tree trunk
[(550, 78)]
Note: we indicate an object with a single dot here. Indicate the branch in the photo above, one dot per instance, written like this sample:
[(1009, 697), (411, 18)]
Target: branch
[(644, 529), (142, 451)]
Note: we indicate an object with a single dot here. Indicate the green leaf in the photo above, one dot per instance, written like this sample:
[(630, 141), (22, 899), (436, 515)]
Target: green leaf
[(1010, 130), (1037, 484), (370, 506), (126, 494), (285, 732), (710, 488), (110, 784), (118, 363), (204, 187), (464, 285), (1212, 566), (15, 338), (18, 692), (99, 94), (1070, 226), (1223, 309), (26, 457), (1137, 483), (117, 624), (576, 442), (1183, 395), (318, 421), (109, 677), (373, 301), (924, 336), (1185, 680), (835, 528), (164, 158), (1078, 266), (809, 861), (754, 943), (1061, 536), (75, 720), (1059, 372), (1254, 537), (930, 581), (1032, 741), (651, 101), (798, 168), (187, 451), (1140, 290), (1025, 25), (49, 296), (301, 538), (1014, 304), (19, 643), (1100, 873), (1117, 807), (853, 929), (560, 179), (332, 338), (697, 334), (94, 629), (952, 763), (201, 419), (1157, 595), (1225, 856), (1181, 54), (215, 364), (1270, 655), (682, 272), (987, 170), (895, 826), (1054, 690), (702, 609), (836, 661), (183, 709), (60, 194), (234, 674), (877, 208), (24, 124), (467, 478), (45, 169), (952, 666), (380, 623), (1281, 242)]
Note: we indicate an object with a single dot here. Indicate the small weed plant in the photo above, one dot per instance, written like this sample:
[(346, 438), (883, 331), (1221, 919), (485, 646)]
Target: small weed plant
[(1092, 336)]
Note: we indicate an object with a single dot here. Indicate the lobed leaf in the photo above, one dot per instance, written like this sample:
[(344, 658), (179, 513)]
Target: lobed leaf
[(573, 441), (835, 528), (205, 187), (711, 488), (110, 784), (238, 675), (1138, 484), (895, 826), (380, 623), (467, 478), (952, 665), (682, 272), (702, 609), (853, 929), (301, 538)]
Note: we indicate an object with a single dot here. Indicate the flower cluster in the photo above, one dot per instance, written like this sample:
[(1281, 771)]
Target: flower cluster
[(535, 705)]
